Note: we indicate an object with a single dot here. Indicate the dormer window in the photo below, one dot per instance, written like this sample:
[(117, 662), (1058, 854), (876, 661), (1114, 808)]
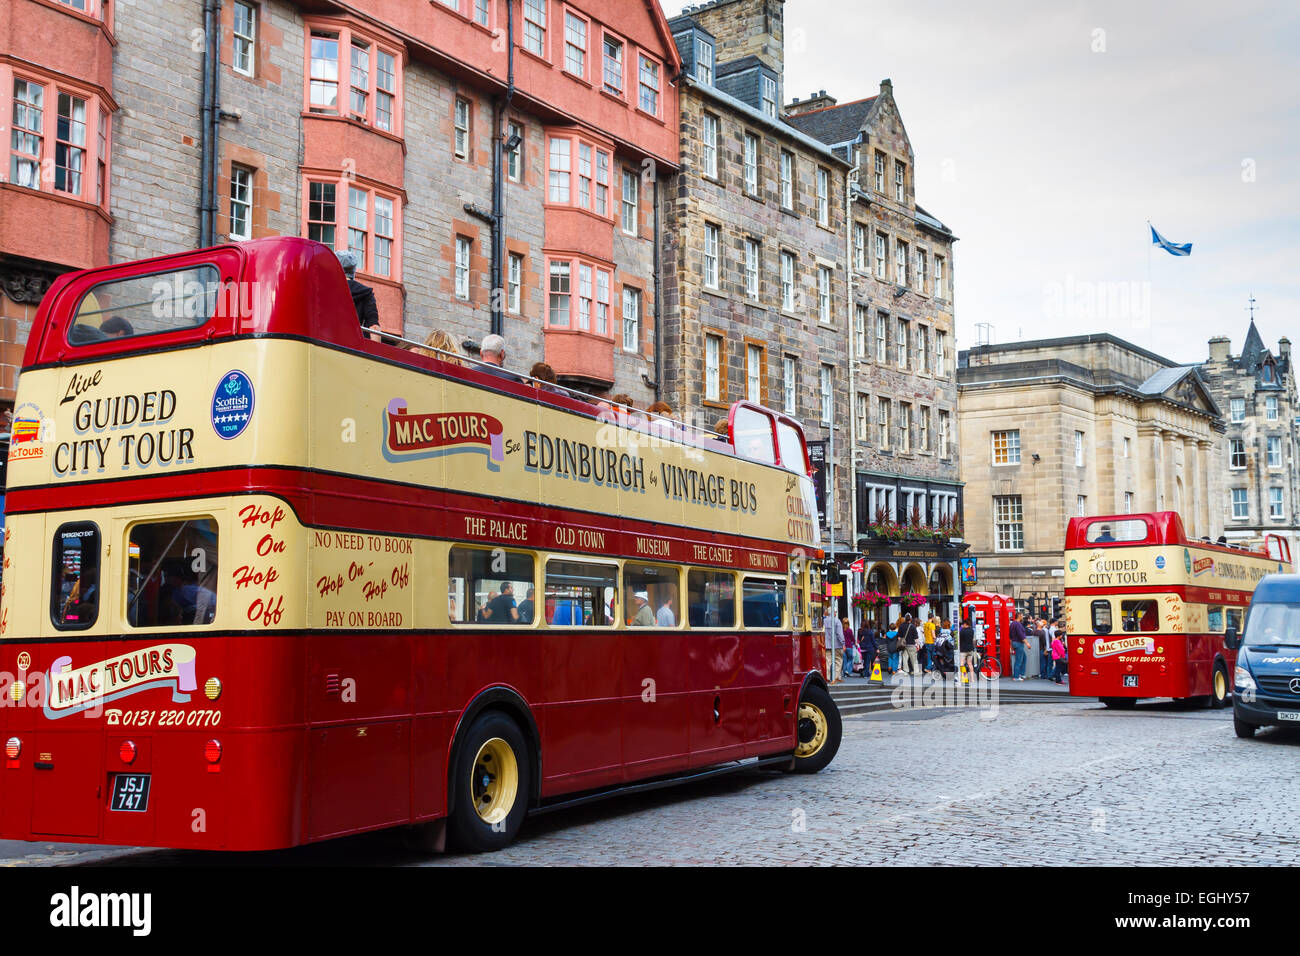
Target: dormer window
[(704, 60), (769, 96), (1266, 373)]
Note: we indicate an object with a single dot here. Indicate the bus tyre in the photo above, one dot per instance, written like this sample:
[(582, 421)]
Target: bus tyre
[(817, 730), (1119, 703), (490, 784), (1219, 687), (1243, 729)]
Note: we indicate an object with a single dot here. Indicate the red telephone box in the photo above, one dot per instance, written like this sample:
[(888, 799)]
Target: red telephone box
[(993, 613)]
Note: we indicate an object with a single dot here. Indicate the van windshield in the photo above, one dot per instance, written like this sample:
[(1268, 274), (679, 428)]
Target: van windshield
[(1273, 625)]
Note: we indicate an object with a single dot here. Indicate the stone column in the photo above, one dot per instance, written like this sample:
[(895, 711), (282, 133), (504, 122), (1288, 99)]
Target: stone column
[(1173, 470), (1194, 482), (1151, 470)]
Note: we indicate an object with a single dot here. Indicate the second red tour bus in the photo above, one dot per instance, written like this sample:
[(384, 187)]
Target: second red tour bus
[(267, 582), (1146, 608)]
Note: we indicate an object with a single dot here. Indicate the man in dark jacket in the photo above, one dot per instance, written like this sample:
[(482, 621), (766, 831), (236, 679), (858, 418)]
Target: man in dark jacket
[(1017, 631), (966, 645), (363, 297)]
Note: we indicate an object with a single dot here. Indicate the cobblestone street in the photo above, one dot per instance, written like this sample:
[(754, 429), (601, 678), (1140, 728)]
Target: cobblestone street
[(1063, 783)]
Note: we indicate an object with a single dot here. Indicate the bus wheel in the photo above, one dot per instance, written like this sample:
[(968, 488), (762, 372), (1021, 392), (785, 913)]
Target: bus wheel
[(1219, 688), (818, 730), (1119, 703), (1242, 728), (490, 784)]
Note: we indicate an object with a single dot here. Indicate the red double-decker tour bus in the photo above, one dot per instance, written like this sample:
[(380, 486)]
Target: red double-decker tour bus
[(1146, 608), (268, 582)]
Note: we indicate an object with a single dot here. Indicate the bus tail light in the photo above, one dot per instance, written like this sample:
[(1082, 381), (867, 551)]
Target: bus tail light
[(13, 747), (126, 752), (212, 754)]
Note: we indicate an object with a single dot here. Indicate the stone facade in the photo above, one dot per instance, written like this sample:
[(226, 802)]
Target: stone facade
[(1256, 391), (1090, 425), (772, 343), (272, 131), (900, 357)]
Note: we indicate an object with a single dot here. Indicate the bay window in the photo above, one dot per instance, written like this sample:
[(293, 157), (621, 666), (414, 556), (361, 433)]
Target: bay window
[(369, 219), (56, 137), (373, 76), (584, 184), (585, 311)]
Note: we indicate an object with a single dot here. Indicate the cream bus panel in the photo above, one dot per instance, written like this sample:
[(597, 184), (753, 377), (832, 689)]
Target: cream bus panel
[(249, 402), (1165, 566)]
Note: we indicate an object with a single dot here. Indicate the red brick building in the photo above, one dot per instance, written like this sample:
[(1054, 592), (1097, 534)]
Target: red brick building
[(404, 131)]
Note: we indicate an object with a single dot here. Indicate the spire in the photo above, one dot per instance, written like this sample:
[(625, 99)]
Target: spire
[(1252, 351)]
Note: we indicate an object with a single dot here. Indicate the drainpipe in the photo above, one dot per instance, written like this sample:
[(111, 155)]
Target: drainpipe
[(500, 110), (209, 121), (657, 384), (851, 180)]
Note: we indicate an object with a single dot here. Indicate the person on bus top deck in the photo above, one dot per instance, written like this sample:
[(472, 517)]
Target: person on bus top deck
[(116, 327), (502, 608), (492, 357), (363, 297), (1105, 536)]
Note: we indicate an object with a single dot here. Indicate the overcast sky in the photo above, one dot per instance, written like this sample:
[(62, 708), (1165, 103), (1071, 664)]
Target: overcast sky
[(1046, 134)]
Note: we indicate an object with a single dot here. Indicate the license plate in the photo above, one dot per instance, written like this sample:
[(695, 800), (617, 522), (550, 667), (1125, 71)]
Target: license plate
[(130, 792), (1130, 680), (1288, 715)]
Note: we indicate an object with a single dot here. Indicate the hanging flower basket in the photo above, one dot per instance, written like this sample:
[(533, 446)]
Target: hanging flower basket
[(865, 600), (912, 599)]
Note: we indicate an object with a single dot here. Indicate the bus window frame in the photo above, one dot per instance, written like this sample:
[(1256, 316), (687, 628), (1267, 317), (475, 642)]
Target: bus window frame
[(1209, 619), (1110, 616), (676, 569), (736, 621), (782, 625), (1123, 614), (100, 569), (616, 619), (178, 518), (472, 624)]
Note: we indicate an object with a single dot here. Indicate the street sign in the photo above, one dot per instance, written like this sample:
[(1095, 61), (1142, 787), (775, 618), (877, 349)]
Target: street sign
[(969, 572)]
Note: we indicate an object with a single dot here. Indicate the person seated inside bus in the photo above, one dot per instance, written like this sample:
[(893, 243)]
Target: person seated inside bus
[(116, 327), (666, 616), (502, 608), (1105, 537), (642, 615), (566, 613), (527, 608)]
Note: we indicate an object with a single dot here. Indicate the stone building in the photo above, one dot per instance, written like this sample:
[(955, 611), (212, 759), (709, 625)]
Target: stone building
[(367, 125), (754, 277), (1257, 392), (1084, 425), (899, 356)]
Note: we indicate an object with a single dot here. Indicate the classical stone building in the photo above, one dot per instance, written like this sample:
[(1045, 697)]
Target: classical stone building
[(899, 356), (1085, 425), (367, 125), (1257, 392), (754, 277)]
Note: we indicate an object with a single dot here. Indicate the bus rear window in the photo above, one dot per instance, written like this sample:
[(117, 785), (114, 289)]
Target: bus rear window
[(1112, 532), (1140, 615), (172, 573), (74, 603), (792, 457), (1101, 617), (144, 305), (751, 431)]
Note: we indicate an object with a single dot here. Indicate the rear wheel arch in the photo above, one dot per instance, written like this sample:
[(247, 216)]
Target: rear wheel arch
[(508, 702)]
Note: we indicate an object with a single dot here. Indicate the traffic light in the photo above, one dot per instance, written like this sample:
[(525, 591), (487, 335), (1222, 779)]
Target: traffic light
[(1057, 608), (832, 573)]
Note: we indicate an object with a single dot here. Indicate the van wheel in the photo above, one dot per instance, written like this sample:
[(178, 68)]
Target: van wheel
[(1219, 688), (1119, 703), (490, 784), (818, 729), (1243, 729)]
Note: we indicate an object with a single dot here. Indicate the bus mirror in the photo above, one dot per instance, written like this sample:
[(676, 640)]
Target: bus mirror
[(1230, 640)]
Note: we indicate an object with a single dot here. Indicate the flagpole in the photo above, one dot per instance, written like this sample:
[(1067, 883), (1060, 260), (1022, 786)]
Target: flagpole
[(1151, 319)]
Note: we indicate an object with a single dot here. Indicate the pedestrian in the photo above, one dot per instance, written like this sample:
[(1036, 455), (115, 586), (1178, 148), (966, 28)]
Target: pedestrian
[(966, 645), (927, 651), (834, 632), (1059, 659), (363, 297), (1017, 632), (867, 645), (909, 640), (850, 647), (492, 355)]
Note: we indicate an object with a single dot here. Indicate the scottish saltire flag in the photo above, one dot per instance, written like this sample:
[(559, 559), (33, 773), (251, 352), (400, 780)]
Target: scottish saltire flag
[(1173, 248)]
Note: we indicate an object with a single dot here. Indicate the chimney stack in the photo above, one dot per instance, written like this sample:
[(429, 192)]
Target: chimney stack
[(1284, 347), (816, 101), (1219, 347), (887, 86)]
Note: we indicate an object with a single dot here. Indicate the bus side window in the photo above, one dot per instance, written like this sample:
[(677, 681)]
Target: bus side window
[(1234, 618), (489, 586), (1101, 617), (763, 600), (711, 598), (660, 585), (1214, 616), (74, 595), (796, 601), (172, 573), (580, 594)]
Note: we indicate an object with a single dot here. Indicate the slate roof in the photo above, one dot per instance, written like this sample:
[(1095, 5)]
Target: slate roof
[(834, 124), (1252, 352), (1165, 379)]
